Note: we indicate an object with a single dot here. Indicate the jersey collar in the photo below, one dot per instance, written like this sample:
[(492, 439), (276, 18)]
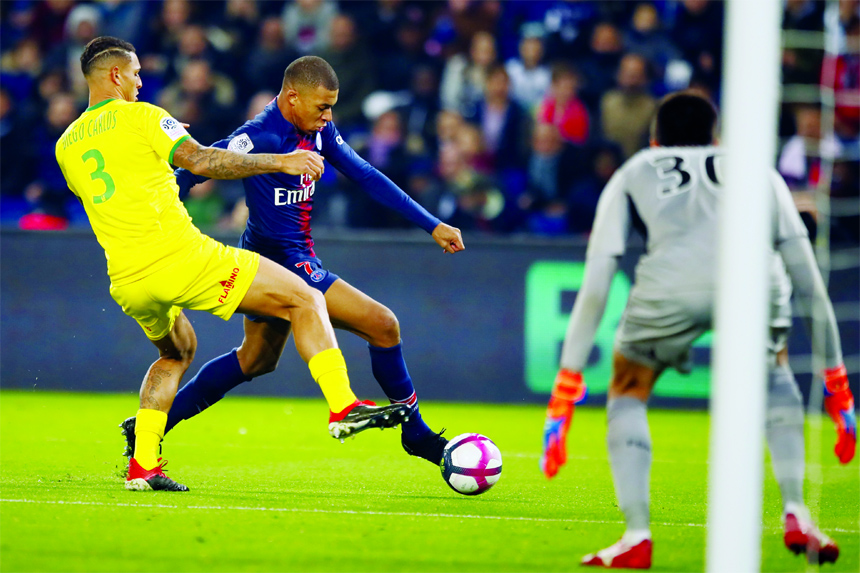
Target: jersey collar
[(101, 103)]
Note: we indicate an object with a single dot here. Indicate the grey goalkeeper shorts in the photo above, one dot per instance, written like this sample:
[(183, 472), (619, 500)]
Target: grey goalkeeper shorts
[(659, 332)]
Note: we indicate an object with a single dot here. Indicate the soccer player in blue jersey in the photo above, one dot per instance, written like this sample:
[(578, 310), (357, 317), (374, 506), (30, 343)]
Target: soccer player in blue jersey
[(280, 206)]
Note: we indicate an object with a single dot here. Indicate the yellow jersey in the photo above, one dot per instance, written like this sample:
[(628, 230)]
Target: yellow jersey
[(116, 158)]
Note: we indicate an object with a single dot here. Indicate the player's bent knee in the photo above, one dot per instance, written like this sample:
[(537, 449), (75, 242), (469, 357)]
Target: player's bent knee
[(386, 328)]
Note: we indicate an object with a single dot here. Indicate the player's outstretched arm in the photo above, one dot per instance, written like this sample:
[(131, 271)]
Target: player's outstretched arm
[(448, 237), (812, 298), (223, 164)]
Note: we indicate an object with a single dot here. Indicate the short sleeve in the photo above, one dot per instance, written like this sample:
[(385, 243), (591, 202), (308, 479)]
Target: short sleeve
[(612, 221), (788, 224), (164, 133)]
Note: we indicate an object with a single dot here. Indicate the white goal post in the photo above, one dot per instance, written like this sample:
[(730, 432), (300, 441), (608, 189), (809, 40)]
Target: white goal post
[(750, 96)]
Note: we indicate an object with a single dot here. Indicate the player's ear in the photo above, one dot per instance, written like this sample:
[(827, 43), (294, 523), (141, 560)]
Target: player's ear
[(115, 75)]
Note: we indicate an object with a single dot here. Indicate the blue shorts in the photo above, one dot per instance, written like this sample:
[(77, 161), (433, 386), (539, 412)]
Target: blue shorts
[(303, 265)]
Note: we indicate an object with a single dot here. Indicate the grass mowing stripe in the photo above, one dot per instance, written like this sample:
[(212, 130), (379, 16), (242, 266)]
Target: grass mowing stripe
[(355, 512)]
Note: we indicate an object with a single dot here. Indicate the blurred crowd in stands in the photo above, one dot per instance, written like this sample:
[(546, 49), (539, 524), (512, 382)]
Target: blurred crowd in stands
[(497, 116)]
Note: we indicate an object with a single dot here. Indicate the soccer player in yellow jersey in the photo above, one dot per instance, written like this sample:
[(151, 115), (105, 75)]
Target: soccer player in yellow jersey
[(116, 158)]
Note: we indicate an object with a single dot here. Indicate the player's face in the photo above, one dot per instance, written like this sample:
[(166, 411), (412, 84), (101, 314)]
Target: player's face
[(129, 79), (313, 108)]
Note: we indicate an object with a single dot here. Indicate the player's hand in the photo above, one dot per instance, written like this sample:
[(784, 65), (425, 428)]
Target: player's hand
[(839, 403), (448, 238), (302, 162), (569, 389)]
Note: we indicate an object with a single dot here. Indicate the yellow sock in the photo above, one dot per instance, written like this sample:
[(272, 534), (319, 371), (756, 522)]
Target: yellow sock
[(329, 370), (148, 431)]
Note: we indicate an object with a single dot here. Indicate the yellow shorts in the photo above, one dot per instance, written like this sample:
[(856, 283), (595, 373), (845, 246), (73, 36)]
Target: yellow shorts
[(211, 276)]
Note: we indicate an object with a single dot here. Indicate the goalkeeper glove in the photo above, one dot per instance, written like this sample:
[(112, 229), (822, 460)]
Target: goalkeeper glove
[(839, 403), (569, 389)]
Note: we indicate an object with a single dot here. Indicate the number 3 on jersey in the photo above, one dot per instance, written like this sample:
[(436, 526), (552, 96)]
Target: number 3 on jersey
[(100, 173), (676, 178)]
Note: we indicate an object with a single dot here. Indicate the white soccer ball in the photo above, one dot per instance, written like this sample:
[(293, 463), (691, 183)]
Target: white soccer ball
[(471, 464)]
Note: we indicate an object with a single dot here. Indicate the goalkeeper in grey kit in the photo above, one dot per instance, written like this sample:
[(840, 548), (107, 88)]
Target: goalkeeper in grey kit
[(671, 192)]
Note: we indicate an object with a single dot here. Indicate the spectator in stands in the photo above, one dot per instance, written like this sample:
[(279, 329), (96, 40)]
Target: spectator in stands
[(19, 69), (168, 27), (419, 114), (469, 142), (269, 57), (802, 65), (471, 200), (385, 149), (504, 124), (241, 22), (647, 38), (48, 25), (82, 25), (49, 194), (603, 159), (465, 75), (307, 25), (396, 67), (553, 167), (562, 106), (15, 156), (626, 112), (799, 160), (203, 100), (530, 77), (598, 66), (698, 33), (842, 73), (568, 27), (124, 18), (350, 58)]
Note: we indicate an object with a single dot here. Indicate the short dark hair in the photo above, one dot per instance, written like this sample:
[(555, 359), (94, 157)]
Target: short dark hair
[(685, 118), (311, 71), (104, 47)]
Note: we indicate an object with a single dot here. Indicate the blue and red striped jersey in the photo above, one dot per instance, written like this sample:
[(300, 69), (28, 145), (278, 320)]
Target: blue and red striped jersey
[(280, 205)]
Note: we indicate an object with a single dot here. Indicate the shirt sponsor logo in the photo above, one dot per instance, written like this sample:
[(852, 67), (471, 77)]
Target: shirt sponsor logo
[(284, 196), (228, 285), (172, 128), (241, 144), (339, 140)]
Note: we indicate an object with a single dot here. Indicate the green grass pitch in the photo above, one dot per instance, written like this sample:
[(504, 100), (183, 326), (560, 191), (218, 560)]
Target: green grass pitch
[(270, 491)]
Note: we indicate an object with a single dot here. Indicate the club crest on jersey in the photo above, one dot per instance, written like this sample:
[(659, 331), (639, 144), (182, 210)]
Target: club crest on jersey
[(228, 285), (317, 276)]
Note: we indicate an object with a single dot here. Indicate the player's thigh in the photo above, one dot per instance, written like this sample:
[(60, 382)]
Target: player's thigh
[(275, 291), (351, 309)]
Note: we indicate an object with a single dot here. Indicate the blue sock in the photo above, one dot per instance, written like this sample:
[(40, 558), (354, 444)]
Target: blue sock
[(215, 378), (390, 371)]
